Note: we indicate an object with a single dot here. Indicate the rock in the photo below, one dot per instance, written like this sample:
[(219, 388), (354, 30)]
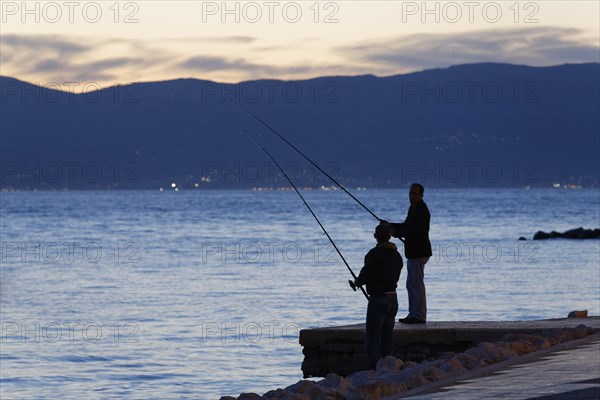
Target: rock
[(582, 330), (512, 337), (453, 366), (434, 374), (578, 314), (414, 377), (336, 383), (490, 354), (361, 378), (564, 335), (521, 347), (467, 361), (250, 396), (302, 386), (581, 233), (375, 391), (522, 238), (540, 343), (318, 392), (275, 394), (434, 363), (399, 377), (539, 235), (227, 398), (388, 364), (574, 233), (577, 233)]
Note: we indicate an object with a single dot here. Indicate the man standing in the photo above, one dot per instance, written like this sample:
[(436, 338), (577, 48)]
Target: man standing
[(417, 249), (380, 273)]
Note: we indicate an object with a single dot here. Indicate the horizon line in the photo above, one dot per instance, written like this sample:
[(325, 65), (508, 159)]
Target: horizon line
[(295, 80)]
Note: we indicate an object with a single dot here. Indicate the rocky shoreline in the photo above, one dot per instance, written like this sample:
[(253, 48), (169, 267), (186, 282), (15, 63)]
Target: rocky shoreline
[(395, 376), (577, 233)]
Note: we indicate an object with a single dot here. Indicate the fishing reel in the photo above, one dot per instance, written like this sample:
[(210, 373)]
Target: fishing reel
[(354, 287), (352, 284)]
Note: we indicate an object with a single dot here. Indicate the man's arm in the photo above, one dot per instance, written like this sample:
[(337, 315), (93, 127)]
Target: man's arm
[(396, 228), (415, 224)]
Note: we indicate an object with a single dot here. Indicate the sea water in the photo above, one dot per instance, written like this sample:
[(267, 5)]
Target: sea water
[(200, 294)]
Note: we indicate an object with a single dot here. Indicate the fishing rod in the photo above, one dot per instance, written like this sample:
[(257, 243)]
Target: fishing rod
[(311, 211), (309, 160)]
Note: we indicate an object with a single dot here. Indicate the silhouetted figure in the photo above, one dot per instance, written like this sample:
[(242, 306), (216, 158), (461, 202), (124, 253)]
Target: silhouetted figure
[(417, 250), (380, 274)]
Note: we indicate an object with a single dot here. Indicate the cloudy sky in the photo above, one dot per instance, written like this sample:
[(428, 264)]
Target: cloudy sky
[(109, 42)]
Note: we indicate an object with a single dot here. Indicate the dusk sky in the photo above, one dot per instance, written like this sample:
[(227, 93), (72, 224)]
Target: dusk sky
[(109, 42)]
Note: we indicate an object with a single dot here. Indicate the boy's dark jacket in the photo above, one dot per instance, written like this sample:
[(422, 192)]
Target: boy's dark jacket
[(382, 269)]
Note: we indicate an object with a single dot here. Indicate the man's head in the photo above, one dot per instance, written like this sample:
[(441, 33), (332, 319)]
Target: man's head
[(383, 233), (416, 193)]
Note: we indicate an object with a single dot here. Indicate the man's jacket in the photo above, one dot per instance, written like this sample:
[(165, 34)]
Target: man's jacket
[(415, 231)]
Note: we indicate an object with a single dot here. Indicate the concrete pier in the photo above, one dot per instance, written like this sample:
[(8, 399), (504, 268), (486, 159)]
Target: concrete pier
[(340, 349)]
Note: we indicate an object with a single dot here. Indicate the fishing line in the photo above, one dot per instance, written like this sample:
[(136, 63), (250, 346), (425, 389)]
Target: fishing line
[(309, 209)]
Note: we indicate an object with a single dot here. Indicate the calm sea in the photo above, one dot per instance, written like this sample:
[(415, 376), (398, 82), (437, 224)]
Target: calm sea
[(200, 294)]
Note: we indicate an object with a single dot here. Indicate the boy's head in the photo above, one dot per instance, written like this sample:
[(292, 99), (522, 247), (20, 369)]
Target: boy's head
[(382, 233)]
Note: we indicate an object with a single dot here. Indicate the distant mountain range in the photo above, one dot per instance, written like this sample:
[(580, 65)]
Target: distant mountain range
[(468, 125)]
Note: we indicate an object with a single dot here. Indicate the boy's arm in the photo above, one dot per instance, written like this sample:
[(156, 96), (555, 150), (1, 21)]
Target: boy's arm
[(365, 273)]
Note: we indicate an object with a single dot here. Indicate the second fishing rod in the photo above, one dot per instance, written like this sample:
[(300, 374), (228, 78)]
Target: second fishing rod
[(313, 214)]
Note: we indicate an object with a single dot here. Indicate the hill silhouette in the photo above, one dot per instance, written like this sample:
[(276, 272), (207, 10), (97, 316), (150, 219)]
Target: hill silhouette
[(467, 125)]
